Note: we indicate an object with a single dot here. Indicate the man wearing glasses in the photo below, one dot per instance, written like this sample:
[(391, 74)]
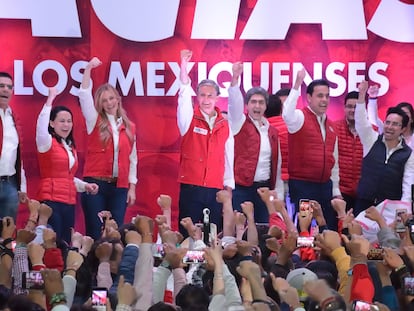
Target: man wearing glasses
[(12, 177), (388, 163)]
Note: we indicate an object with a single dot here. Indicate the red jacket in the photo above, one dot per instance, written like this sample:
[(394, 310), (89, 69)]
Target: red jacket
[(350, 153), (202, 159), (246, 153), (310, 157), (56, 180), (18, 163), (99, 159), (282, 131)]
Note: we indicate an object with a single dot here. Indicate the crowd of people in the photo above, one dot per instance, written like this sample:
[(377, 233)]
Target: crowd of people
[(283, 188)]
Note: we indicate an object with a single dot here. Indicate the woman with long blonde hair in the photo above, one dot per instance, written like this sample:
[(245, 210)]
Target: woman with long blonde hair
[(111, 157)]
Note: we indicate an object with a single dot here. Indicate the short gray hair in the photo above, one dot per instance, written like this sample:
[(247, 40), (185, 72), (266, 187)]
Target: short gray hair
[(208, 82)]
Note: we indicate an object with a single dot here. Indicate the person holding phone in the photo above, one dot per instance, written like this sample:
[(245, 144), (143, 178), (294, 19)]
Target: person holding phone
[(58, 163), (257, 159), (111, 157)]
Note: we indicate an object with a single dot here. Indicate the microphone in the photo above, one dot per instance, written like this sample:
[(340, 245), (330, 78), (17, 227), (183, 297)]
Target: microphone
[(206, 226)]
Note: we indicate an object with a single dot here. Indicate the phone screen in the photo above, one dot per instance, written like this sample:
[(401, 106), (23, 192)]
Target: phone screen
[(32, 280), (359, 305), (99, 297), (375, 254), (399, 224), (304, 207), (194, 257), (305, 241), (409, 285)]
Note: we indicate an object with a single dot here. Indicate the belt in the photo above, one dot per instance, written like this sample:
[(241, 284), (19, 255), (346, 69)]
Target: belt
[(109, 180), (7, 178), (261, 182)]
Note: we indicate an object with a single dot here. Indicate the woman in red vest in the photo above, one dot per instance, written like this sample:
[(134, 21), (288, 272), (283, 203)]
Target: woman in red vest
[(58, 163), (111, 157)]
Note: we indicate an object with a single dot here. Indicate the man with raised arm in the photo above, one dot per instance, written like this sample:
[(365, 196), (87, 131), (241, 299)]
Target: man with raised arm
[(207, 149)]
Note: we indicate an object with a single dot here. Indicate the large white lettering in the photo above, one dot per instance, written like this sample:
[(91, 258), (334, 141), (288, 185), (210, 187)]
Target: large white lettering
[(49, 18), (271, 19), (154, 20), (344, 77), (142, 21), (402, 27)]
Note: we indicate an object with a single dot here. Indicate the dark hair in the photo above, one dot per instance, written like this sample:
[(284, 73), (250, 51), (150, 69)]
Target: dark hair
[(351, 95), (53, 113), (410, 108), (161, 306), (257, 91), (23, 303), (274, 107), (5, 75), (399, 111), (325, 270), (192, 297), (311, 86), (283, 92)]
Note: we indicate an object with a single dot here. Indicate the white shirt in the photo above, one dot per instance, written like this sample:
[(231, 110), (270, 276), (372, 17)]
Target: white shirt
[(185, 113), (91, 117), (294, 119), (8, 155)]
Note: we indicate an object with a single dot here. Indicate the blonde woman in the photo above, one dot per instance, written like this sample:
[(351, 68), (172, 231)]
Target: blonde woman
[(111, 157)]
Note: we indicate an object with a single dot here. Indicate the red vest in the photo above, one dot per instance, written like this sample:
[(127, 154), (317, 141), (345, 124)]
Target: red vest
[(18, 163), (246, 153), (99, 157), (282, 132), (56, 180), (350, 155), (310, 158), (202, 160)]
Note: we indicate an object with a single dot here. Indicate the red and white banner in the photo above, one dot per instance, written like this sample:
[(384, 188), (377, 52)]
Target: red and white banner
[(46, 43)]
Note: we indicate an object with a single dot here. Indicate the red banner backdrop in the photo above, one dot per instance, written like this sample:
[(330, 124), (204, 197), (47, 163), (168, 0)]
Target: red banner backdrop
[(48, 43)]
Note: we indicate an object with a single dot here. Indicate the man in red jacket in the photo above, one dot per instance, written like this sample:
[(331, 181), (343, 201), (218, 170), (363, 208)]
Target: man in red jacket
[(12, 177), (313, 149), (349, 151), (257, 159), (207, 148)]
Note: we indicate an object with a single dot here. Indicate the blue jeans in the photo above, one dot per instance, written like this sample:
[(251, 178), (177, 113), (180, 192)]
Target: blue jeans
[(193, 199), (62, 219), (9, 198), (109, 198), (321, 192), (243, 193)]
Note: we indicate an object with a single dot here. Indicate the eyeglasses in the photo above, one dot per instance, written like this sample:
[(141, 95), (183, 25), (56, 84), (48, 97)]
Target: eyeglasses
[(9, 86), (393, 124)]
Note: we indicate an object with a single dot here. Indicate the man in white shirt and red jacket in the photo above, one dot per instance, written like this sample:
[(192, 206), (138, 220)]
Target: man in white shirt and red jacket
[(207, 149), (257, 159), (313, 148)]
